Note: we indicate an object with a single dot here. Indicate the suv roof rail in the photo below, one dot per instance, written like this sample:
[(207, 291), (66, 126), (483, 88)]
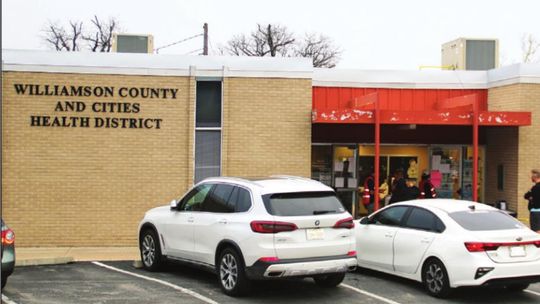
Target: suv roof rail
[(293, 177)]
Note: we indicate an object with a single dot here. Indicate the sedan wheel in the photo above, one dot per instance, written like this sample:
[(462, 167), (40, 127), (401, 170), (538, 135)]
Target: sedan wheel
[(150, 250), (435, 279)]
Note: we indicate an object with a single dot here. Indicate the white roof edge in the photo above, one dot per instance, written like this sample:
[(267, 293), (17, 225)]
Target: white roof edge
[(154, 64), (513, 74)]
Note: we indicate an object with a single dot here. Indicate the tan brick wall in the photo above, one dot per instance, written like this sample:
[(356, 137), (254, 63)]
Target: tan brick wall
[(502, 149), (267, 127), (91, 186), (521, 97)]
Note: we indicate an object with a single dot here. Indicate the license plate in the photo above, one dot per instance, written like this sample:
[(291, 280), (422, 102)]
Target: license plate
[(517, 251), (315, 234)]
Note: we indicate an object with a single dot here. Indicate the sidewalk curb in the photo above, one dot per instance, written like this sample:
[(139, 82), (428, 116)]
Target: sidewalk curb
[(43, 261)]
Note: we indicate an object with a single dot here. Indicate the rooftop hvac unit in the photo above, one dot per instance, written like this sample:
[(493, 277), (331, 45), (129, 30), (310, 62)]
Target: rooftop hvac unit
[(132, 43), (471, 54)]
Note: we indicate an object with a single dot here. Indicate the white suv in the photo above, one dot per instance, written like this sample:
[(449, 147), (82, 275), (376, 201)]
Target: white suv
[(253, 229)]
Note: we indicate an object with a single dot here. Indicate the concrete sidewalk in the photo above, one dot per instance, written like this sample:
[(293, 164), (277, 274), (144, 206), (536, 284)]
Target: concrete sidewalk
[(62, 255)]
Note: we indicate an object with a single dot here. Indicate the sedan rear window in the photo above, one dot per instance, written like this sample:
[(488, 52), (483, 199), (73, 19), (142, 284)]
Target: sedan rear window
[(302, 203), (485, 220)]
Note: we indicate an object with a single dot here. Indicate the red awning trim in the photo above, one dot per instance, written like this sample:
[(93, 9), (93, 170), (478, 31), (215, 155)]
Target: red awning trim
[(449, 117)]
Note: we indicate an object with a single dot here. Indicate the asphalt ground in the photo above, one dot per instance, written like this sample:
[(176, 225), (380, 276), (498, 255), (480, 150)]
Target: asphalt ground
[(120, 282)]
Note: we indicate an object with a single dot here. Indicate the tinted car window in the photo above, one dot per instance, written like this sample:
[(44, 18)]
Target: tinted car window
[(218, 199), (240, 200), (390, 217), (421, 219), (481, 220), (194, 199), (302, 203)]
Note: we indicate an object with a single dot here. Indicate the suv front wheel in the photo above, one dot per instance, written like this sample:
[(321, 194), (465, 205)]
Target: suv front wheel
[(150, 250), (231, 272)]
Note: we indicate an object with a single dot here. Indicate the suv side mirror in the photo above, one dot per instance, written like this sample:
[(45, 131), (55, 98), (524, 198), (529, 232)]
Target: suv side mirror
[(173, 204), (364, 220)]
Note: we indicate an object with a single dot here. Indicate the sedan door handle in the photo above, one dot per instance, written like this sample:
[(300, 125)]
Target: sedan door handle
[(388, 235), (190, 219), (223, 221), (425, 241)]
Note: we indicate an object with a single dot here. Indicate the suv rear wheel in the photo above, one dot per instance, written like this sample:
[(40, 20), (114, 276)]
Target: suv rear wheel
[(150, 250), (329, 280), (231, 272)]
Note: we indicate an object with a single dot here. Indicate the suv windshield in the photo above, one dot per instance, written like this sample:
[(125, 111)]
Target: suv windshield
[(302, 203), (485, 220)]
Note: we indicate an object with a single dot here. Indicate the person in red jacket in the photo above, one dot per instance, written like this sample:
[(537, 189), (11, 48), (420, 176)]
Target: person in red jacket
[(427, 190)]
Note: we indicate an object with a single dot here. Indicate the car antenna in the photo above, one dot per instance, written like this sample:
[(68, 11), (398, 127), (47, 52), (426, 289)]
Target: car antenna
[(472, 207)]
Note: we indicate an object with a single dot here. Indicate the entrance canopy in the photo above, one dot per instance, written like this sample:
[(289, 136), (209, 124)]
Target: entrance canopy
[(411, 106)]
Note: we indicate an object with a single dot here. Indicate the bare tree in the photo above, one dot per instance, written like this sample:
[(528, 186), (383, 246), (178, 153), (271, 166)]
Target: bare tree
[(276, 40), (269, 40), (320, 48), (529, 47), (98, 39), (64, 39)]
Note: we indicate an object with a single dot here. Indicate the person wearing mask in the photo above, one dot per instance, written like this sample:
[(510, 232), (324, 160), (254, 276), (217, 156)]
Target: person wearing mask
[(533, 196), (427, 190)]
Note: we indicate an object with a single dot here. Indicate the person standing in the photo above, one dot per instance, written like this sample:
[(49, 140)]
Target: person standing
[(533, 196), (368, 196), (412, 192), (427, 190), (399, 188)]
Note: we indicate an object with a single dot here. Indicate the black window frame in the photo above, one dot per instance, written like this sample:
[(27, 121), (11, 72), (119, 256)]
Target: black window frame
[(373, 221), (437, 225)]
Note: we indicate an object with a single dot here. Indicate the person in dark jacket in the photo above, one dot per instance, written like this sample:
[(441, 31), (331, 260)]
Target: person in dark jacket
[(399, 188), (533, 196), (412, 192), (427, 190)]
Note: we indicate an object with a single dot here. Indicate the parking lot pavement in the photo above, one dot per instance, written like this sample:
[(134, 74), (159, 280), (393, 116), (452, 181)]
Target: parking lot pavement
[(120, 282)]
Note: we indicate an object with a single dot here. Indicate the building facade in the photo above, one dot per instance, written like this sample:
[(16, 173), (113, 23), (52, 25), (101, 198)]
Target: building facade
[(92, 141)]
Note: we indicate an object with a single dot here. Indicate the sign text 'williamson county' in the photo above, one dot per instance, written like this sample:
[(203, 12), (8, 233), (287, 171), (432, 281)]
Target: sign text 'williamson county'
[(108, 114)]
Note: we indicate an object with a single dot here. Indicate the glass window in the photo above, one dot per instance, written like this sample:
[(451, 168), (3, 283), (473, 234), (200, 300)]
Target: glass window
[(208, 104), (243, 202), (421, 219), (390, 217), (207, 154), (194, 199), (218, 200), (302, 203), (484, 220)]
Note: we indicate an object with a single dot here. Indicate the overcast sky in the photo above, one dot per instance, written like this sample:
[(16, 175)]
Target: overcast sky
[(376, 34)]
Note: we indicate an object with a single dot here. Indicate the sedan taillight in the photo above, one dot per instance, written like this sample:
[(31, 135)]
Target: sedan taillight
[(480, 246), (346, 223), (272, 226), (8, 237)]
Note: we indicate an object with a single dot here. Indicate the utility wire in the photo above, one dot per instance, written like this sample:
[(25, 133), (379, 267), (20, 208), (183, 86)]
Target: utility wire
[(177, 42)]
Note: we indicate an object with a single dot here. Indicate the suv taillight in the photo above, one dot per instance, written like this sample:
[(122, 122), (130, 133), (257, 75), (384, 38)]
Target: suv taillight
[(346, 223), (8, 237), (272, 227)]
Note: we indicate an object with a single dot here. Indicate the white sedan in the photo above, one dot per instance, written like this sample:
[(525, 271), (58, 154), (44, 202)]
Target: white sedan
[(447, 243)]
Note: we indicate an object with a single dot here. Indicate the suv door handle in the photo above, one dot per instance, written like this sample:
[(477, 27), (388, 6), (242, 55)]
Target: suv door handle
[(425, 241), (190, 219), (223, 221), (388, 235)]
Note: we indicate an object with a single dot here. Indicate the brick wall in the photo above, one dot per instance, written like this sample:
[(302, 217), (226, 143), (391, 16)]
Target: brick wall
[(267, 127), (91, 186), (520, 97)]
